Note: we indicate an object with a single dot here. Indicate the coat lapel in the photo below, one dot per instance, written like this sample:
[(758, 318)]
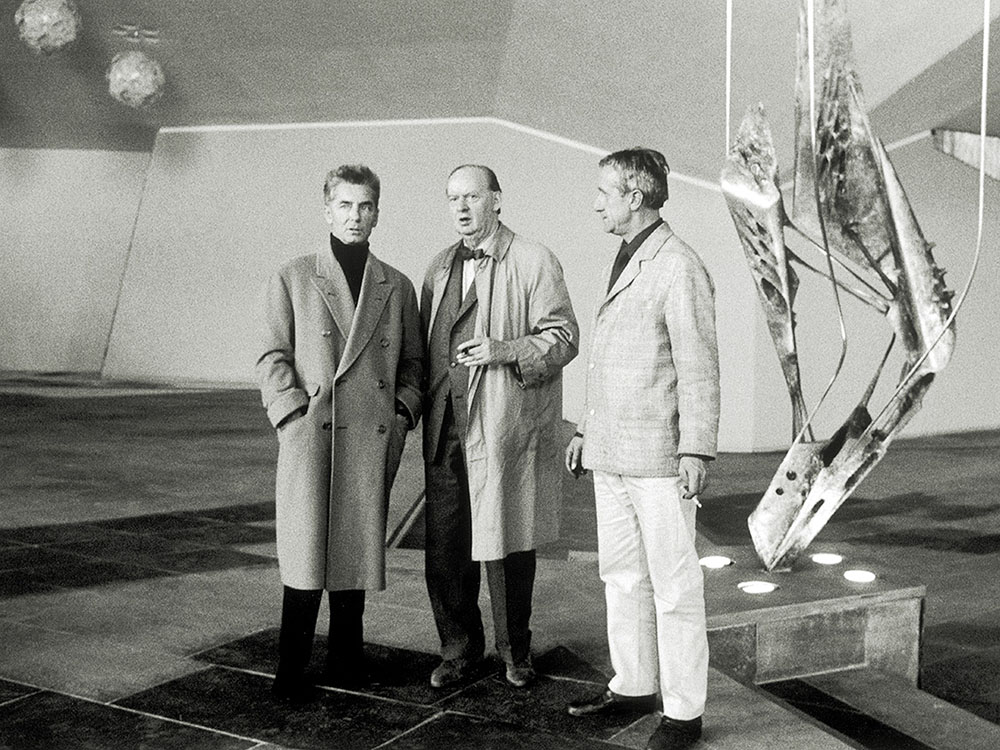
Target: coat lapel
[(332, 283), (647, 250), (375, 291), (439, 282)]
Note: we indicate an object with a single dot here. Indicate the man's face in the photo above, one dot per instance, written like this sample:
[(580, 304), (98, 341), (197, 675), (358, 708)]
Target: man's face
[(473, 205), (351, 213), (614, 208)]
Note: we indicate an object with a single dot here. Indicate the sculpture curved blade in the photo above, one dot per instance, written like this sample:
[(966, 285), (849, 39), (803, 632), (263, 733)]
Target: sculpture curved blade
[(848, 194), (750, 184)]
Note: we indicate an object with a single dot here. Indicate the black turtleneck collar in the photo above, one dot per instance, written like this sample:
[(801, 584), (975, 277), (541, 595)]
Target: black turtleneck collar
[(352, 259)]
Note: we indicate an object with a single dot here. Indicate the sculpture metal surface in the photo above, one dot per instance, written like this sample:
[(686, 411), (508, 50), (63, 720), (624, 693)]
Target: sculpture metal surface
[(848, 203)]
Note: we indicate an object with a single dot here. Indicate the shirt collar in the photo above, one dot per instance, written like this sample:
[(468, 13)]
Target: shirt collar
[(629, 248)]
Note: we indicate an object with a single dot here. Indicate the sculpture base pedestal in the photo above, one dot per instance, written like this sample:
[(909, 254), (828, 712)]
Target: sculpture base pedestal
[(816, 621)]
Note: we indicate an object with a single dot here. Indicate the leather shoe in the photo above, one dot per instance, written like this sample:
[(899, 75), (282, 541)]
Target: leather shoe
[(521, 674), (675, 734), (608, 702), (451, 672)]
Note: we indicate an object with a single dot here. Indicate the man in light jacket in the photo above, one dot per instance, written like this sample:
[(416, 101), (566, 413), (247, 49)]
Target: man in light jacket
[(648, 431), (500, 328), (340, 375)]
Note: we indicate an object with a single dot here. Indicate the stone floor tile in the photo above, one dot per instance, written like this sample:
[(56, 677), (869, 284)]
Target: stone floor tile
[(45, 721), (460, 732), (241, 703)]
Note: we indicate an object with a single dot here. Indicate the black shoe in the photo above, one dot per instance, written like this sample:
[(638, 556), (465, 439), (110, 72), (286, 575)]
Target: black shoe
[(675, 734), (608, 703), (452, 671)]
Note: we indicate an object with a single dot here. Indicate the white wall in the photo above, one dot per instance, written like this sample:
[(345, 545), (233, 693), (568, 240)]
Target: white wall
[(224, 208), (65, 221)]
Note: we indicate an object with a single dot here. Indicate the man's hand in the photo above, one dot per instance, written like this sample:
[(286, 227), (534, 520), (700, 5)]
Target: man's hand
[(574, 457), (694, 475), (482, 351)]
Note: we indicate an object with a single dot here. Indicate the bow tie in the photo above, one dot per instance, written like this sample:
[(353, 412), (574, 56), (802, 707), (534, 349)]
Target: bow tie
[(466, 254)]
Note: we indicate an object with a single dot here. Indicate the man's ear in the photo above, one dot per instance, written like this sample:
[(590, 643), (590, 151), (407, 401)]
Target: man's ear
[(496, 200), (635, 200)]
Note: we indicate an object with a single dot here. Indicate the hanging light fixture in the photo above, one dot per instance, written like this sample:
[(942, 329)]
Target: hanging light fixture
[(135, 79), (48, 26)]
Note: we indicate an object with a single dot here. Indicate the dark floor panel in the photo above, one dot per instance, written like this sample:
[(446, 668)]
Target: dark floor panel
[(395, 673), (542, 706), (22, 583), (11, 690), (94, 573), (241, 703), (240, 513), (868, 732), (29, 557), (139, 549), (47, 721), (156, 523), (222, 533), (453, 732), (63, 533)]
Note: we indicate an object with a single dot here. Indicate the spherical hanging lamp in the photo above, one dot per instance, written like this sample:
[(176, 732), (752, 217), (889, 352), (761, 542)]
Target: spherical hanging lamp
[(135, 79), (48, 26)]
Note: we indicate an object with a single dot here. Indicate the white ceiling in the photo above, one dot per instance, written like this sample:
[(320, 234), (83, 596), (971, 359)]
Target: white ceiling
[(651, 71)]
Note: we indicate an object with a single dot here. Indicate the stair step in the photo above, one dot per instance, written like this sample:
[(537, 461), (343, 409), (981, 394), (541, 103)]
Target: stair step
[(896, 703)]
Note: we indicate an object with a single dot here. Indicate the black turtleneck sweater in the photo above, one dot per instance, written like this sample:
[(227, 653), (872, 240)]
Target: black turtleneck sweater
[(352, 259)]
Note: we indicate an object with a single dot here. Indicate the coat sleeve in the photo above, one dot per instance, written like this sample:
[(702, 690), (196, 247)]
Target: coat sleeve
[(410, 370), (280, 390), (690, 320), (554, 336)]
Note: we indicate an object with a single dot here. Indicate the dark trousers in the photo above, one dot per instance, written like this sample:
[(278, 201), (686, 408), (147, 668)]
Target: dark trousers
[(453, 577), (299, 610)]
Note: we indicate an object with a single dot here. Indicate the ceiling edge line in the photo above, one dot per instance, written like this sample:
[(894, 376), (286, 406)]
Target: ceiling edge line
[(527, 130), (908, 140)]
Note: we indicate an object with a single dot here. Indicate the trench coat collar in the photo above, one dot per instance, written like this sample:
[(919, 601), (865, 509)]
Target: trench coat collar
[(495, 251), (647, 250)]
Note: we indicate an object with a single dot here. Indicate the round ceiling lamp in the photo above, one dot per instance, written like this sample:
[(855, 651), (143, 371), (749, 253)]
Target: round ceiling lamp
[(135, 79), (48, 26)]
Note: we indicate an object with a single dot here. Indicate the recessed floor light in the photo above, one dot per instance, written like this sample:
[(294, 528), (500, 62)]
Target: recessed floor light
[(756, 587), (715, 561), (827, 558), (859, 576)]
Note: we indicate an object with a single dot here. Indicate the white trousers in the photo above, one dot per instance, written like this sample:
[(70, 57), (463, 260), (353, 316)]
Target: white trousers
[(655, 590)]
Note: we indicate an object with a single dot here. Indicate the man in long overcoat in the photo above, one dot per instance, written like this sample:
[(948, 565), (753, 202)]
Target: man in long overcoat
[(340, 376), (648, 431), (500, 328)]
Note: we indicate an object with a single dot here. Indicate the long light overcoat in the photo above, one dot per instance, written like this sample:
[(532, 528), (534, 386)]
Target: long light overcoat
[(653, 371), (349, 367), (513, 442)]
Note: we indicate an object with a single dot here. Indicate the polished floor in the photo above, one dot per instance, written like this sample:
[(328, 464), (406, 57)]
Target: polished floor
[(139, 593)]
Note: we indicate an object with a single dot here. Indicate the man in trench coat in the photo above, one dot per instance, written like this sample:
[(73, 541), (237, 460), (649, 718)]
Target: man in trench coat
[(340, 376), (500, 328), (648, 431)]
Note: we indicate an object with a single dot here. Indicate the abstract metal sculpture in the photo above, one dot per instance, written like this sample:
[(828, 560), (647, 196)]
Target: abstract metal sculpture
[(849, 204)]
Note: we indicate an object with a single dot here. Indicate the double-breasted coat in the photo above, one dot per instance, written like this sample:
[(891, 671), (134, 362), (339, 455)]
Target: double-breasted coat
[(348, 367), (513, 445), (653, 369)]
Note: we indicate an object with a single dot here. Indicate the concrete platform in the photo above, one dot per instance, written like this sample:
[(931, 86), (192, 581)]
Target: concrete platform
[(815, 620)]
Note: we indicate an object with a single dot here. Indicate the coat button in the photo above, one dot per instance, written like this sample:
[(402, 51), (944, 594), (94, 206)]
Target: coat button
[(327, 426), (453, 364), (381, 429), (381, 384), (384, 342)]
